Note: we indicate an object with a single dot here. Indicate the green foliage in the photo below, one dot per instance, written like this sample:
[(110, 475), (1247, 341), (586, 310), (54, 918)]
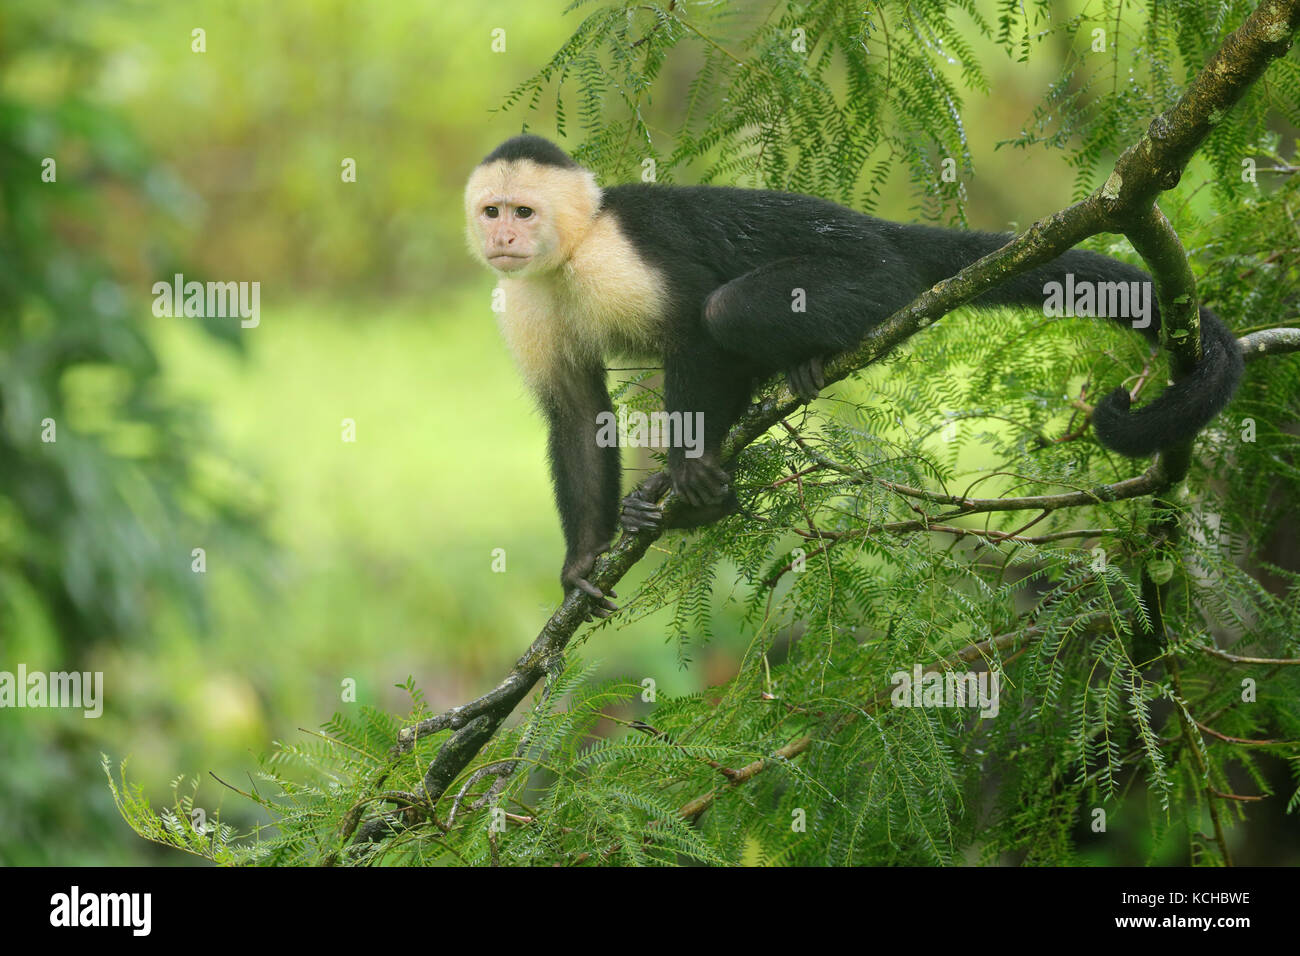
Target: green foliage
[(802, 757), (182, 826), (819, 98)]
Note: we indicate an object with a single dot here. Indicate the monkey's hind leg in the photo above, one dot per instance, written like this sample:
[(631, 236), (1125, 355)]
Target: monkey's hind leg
[(790, 315)]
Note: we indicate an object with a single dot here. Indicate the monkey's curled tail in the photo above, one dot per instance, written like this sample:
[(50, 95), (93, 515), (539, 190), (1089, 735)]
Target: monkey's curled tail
[(1182, 409), (1177, 413)]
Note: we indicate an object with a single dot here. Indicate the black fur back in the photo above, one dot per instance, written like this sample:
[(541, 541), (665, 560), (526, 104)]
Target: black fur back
[(703, 237)]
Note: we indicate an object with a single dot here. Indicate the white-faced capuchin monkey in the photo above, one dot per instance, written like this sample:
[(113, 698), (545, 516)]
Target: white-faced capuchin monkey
[(702, 278)]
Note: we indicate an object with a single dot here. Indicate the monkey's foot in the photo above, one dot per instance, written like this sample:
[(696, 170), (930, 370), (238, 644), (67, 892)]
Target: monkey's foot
[(807, 379), (701, 482)]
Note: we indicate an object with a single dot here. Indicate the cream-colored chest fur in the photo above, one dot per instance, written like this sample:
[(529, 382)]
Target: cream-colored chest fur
[(605, 300)]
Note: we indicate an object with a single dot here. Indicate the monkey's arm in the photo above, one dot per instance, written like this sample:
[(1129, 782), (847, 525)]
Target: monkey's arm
[(585, 475), (706, 390)]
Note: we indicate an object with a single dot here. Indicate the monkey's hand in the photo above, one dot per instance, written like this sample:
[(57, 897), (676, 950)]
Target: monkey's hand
[(575, 573), (701, 482), (639, 513), (641, 508), (807, 379)]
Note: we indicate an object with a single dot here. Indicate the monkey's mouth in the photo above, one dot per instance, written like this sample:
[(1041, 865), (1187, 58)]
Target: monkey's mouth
[(508, 261)]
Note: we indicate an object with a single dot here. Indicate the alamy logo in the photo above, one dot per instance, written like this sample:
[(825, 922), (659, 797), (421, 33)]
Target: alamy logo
[(1105, 300), (55, 689), (633, 429), (103, 909), (919, 688), (211, 300)]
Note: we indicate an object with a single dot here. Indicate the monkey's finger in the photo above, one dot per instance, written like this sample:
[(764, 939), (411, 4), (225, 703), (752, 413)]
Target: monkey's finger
[(602, 603), (712, 486), (591, 589), (656, 485), (686, 490), (792, 380), (818, 373), (639, 515), (640, 521), (801, 382), (811, 379)]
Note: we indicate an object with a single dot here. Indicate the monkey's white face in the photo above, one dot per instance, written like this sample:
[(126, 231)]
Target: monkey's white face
[(524, 219), (514, 233)]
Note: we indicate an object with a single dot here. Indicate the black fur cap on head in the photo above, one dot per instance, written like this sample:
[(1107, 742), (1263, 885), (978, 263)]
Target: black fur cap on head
[(536, 148)]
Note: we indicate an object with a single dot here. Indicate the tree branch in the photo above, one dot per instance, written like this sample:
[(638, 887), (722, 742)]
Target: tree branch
[(1269, 342)]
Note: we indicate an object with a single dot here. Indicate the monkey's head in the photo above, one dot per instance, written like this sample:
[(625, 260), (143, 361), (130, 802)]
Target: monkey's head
[(527, 205)]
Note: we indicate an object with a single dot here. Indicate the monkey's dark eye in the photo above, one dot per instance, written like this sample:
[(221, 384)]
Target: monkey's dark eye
[(491, 211), (524, 212)]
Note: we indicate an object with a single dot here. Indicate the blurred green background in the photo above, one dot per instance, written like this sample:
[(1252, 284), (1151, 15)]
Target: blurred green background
[(326, 560)]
